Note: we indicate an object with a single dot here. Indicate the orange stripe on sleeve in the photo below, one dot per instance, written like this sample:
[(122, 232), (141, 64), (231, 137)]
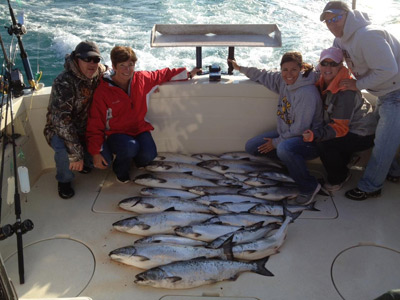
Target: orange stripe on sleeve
[(341, 127)]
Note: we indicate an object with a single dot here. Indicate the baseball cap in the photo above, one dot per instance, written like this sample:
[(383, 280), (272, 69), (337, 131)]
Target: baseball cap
[(333, 53), (335, 7), (87, 49)]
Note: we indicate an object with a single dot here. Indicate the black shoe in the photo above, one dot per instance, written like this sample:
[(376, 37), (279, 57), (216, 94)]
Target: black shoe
[(392, 178), (123, 179), (359, 195), (86, 170), (65, 190)]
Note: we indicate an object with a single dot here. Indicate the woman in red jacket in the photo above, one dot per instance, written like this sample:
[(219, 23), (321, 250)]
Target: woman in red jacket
[(116, 122)]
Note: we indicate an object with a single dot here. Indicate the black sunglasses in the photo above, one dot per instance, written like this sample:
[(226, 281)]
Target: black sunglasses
[(94, 59), (329, 63), (334, 19)]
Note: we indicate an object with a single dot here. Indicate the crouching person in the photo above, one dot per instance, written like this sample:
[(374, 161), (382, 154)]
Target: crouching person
[(116, 123), (70, 98), (349, 122)]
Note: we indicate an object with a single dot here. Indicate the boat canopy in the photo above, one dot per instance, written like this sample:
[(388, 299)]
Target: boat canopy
[(215, 35)]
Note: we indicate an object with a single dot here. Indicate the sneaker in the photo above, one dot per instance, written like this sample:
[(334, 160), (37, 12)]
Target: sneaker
[(392, 178), (123, 179), (65, 190), (305, 199), (359, 195), (85, 170), (335, 187)]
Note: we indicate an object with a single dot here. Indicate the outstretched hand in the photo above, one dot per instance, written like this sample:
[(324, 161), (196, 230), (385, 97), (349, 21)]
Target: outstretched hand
[(234, 64), (195, 71)]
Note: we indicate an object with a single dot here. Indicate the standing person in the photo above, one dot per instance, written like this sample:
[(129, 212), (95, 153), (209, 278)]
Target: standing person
[(349, 122), (373, 56), (116, 123), (70, 98), (299, 108)]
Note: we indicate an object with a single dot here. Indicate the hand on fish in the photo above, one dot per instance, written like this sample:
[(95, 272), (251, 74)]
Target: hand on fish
[(266, 147)]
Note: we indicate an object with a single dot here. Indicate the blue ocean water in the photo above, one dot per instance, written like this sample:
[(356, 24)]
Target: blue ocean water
[(55, 27)]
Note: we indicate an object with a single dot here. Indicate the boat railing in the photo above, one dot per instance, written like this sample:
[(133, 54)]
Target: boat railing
[(215, 35)]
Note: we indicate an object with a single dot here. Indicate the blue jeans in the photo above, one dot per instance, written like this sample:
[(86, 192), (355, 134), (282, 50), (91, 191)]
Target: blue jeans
[(294, 153), (63, 173), (387, 141), (140, 148)]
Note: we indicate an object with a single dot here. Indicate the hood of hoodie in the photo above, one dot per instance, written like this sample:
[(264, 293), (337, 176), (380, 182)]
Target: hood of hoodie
[(354, 21), (301, 81), (71, 66)]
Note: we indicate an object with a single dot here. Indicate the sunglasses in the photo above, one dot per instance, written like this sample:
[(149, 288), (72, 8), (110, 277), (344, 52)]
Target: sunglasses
[(334, 19), (329, 63), (94, 59)]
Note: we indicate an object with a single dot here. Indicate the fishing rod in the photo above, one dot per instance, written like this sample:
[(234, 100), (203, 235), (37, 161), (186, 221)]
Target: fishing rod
[(12, 83), (18, 30)]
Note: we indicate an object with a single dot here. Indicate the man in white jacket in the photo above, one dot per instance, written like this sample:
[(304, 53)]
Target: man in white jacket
[(373, 56)]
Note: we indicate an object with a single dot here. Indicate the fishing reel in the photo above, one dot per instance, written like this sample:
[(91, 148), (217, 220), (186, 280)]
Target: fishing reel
[(17, 29), (8, 230)]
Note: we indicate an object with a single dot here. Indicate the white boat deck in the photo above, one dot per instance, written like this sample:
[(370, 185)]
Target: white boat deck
[(349, 247), (347, 250)]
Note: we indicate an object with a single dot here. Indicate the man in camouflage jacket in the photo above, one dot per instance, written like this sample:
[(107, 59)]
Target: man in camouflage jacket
[(70, 98)]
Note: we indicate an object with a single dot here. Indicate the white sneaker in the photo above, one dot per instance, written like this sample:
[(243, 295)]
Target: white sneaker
[(335, 187), (305, 199)]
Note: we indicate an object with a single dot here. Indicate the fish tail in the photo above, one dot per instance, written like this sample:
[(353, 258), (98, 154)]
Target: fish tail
[(227, 247), (287, 213), (260, 267)]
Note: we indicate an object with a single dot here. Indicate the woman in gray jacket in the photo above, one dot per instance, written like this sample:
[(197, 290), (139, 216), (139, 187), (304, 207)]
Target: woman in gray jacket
[(299, 108)]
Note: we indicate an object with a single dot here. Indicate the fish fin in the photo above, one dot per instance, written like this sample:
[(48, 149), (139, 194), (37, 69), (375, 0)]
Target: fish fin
[(148, 205), (130, 199), (215, 244), (261, 269), (144, 226), (311, 207), (170, 209), (287, 213), (142, 258), (233, 278), (250, 251), (173, 279), (227, 247), (223, 168), (188, 172), (255, 226), (199, 257)]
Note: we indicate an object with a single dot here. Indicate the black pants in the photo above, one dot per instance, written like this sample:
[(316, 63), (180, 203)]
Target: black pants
[(335, 154)]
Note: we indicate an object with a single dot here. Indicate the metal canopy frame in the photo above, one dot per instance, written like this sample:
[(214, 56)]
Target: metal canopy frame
[(215, 35)]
